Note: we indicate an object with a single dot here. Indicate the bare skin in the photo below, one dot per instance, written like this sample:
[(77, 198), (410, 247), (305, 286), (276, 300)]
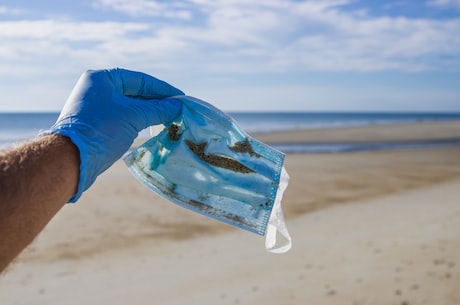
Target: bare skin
[(36, 180)]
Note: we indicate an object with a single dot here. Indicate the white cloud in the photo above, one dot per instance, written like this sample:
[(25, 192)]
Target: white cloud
[(4, 10), (53, 30), (380, 44), (34, 43), (170, 9), (445, 3)]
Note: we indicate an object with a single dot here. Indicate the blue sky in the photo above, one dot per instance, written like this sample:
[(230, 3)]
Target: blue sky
[(271, 55)]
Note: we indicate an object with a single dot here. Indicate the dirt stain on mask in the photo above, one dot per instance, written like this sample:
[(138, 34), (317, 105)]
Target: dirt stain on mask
[(244, 147), (173, 132), (216, 160)]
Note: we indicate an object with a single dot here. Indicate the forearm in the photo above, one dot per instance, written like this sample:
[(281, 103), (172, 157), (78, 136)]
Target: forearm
[(36, 180)]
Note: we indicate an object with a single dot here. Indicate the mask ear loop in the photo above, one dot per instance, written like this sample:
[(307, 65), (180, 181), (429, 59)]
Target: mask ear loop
[(276, 224)]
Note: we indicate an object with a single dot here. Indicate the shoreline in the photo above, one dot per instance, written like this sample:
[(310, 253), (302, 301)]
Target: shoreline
[(419, 131)]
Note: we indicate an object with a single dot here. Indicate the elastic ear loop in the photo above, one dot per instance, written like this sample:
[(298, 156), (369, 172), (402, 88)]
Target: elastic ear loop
[(277, 238)]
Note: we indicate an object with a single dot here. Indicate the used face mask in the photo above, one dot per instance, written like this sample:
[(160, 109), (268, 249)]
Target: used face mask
[(204, 162)]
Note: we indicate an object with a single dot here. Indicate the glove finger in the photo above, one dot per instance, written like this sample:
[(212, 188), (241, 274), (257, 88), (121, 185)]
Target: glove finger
[(138, 84), (145, 113)]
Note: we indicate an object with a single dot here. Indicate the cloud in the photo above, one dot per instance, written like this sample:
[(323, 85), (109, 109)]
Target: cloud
[(172, 9), (54, 30), (31, 45), (376, 44), (445, 3), (4, 10)]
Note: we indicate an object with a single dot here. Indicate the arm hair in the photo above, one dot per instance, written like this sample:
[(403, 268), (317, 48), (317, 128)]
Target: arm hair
[(36, 179)]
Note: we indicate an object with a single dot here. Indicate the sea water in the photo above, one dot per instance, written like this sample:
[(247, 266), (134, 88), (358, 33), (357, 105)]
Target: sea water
[(16, 127)]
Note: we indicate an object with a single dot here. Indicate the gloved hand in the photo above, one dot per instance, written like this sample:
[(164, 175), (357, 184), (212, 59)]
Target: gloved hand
[(105, 112)]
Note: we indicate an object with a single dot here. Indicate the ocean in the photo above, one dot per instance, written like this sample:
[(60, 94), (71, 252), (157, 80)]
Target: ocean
[(16, 127)]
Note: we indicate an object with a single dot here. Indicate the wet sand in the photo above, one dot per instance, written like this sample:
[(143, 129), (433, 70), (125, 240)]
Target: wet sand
[(368, 228)]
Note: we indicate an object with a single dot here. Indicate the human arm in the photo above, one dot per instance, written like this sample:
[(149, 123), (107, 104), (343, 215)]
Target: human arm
[(36, 180), (98, 123)]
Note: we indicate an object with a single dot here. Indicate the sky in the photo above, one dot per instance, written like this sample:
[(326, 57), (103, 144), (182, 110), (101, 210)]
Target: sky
[(240, 55)]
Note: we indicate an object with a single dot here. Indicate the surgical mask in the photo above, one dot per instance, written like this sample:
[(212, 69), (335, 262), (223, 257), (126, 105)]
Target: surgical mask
[(205, 162)]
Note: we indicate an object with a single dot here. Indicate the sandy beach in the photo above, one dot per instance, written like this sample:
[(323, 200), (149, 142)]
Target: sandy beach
[(368, 228)]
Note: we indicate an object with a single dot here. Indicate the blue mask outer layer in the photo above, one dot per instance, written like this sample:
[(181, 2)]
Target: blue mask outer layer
[(204, 162)]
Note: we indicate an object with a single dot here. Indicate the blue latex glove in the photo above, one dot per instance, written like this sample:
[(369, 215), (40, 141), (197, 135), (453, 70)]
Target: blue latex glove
[(105, 112)]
